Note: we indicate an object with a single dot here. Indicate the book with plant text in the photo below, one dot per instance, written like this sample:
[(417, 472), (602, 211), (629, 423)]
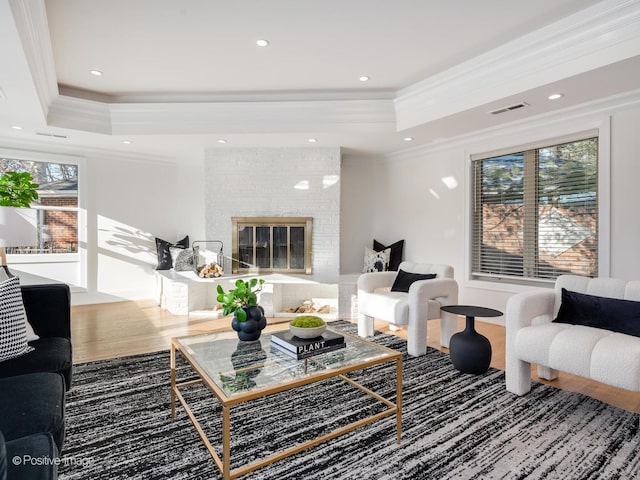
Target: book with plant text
[(307, 353), (289, 341)]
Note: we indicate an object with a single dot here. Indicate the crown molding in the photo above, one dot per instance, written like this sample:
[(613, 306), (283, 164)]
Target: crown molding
[(226, 117), (44, 150), (252, 117), (566, 119), (597, 36), (31, 23), (212, 97), (79, 114)]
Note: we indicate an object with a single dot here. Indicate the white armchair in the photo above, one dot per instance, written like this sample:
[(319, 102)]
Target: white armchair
[(595, 353), (422, 303)]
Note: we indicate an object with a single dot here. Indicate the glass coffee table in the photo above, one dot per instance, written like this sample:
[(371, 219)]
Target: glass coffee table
[(236, 372)]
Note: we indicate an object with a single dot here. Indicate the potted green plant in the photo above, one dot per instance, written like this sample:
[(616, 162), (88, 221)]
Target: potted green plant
[(242, 301)]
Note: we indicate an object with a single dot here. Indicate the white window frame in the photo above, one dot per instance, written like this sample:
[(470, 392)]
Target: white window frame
[(80, 255), (600, 128)]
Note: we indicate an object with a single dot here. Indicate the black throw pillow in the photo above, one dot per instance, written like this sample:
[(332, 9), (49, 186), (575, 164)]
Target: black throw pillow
[(164, 255), (396, 253), (404, 280), (614, 314)]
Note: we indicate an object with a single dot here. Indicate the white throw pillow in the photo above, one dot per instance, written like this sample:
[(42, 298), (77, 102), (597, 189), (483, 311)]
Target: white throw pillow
[(13, 321), (376, 261), (184, 259)]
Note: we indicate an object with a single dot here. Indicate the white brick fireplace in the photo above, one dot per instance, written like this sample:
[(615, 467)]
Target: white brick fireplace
[(287, 182)]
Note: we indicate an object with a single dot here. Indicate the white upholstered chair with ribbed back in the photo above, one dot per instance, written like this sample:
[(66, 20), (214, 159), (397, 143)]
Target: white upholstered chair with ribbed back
[(413, 309), (596, 353)]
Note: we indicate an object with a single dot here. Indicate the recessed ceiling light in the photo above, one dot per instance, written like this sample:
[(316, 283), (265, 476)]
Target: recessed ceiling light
[(556, 96), (222, 140), (96, 73), (408, 139), (312, 140), (16, 127), (127, 142), (262, 43), (364, 78)]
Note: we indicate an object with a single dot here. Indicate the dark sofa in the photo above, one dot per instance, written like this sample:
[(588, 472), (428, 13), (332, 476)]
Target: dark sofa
[(31, 425), (33, 387), (48, 309)]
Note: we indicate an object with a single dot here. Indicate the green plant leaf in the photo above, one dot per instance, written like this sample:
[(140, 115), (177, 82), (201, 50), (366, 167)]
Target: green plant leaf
[(241, 314), (252, 299), (253, 282), (220, 290), (17, 189)]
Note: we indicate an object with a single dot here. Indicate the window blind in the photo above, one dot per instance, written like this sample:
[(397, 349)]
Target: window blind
[(535, 212)]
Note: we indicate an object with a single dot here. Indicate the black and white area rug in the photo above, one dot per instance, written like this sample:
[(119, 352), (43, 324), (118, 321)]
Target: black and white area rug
[(455, 425)]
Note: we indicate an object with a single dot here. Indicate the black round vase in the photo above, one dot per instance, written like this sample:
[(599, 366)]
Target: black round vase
[(252, 327), (470, 351)]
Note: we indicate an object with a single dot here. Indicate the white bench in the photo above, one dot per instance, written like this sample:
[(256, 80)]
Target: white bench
[(183, 293)]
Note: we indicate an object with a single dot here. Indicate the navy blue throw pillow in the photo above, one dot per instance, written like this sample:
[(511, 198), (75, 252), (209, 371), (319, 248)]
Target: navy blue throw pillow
[(395, 259), (614, 314), (164, 254), (404, 280)]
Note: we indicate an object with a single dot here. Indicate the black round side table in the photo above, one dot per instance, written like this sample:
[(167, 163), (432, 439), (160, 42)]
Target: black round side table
[(470, 351)]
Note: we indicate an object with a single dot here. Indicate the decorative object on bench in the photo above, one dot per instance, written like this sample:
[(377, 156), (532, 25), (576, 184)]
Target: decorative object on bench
[(395, 257), (32, 426), (164, 254), (48, 311), (470, 351), (242, 301), (209, 263), (184, 259), (210, 270), (376, 261), (422, 302), (585, 338)]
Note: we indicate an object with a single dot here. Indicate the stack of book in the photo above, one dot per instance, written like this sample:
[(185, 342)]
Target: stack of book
[(300, 348)]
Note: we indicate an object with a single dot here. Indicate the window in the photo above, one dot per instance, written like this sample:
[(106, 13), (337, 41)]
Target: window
[(271, 244), (535, 213), (57, 205)]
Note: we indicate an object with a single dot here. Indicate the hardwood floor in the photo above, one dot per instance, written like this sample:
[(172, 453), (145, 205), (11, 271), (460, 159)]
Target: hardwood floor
[(128, 328)]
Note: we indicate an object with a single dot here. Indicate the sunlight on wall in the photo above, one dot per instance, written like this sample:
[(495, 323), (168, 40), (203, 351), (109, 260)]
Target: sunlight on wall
[(126, 258), (450, 182), (329, 180)]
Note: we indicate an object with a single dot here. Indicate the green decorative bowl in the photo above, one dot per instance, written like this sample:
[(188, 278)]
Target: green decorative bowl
[(316, 326)]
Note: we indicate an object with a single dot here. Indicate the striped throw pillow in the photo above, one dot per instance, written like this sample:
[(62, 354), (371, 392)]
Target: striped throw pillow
[(13, 321)]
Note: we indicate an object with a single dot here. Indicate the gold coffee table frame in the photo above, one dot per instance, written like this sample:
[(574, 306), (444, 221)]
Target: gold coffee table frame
[(181, 344)]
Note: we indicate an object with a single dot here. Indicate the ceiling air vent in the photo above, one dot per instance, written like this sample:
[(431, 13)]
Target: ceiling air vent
[(45, 134), (515, 106)]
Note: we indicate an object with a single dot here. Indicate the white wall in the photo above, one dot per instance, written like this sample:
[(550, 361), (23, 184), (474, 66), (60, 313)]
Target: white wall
[(363, 192), (125, 202), (130, 203), (260, 182), (433, 218), (625, 194)]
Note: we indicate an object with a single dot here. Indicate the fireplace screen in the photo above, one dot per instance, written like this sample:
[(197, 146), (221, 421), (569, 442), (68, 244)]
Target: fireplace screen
[(271, 244)]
